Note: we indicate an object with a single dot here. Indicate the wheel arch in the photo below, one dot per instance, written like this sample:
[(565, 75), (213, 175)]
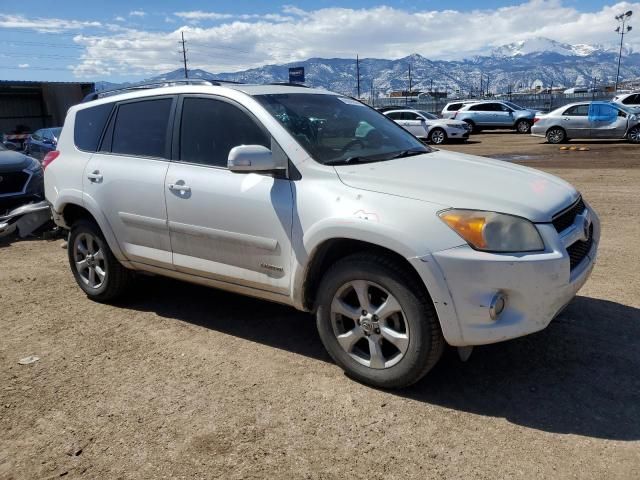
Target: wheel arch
[(332, 250), (71, 212)]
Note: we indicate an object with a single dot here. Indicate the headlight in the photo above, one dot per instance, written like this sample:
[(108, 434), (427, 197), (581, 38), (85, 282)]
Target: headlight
[(493, 232), (455, 125)]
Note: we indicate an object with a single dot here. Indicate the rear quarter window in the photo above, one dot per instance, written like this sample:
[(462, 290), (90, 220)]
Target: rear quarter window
[(89, 125), (454, 106)]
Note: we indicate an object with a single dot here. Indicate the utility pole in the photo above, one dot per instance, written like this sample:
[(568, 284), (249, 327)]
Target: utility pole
[(184, 56), (593, 90), (358, 73), (481, 86), (622, 29)]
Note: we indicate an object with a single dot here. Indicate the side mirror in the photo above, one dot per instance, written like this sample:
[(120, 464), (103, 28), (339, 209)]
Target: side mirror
[(251, 158)]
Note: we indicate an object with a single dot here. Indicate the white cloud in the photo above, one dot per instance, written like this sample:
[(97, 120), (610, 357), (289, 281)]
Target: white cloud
[(137, 13), (119, 19), (44, 24), (23, 65), (200, 15), (250, 40)]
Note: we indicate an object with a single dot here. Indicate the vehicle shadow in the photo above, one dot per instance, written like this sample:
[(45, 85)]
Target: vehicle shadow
[(579, 376)]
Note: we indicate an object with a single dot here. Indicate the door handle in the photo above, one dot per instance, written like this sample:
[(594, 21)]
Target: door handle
[(95, 176), (175, 187)]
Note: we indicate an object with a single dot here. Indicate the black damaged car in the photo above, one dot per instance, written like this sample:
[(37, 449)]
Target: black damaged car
[(21, 180)]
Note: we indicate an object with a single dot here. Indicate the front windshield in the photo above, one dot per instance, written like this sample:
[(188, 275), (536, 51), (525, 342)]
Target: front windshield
[(427, 115), (334, 129), (514, 106)]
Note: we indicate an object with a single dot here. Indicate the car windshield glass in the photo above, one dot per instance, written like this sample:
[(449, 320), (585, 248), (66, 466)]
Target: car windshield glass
[(335, 130), (514, 106), (56, 132), (428, 115)]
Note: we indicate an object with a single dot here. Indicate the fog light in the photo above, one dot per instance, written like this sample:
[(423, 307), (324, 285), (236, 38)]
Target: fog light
[(496, 307)]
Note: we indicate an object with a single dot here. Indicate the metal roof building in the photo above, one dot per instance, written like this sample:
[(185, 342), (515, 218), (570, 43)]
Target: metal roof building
[(37, 105)]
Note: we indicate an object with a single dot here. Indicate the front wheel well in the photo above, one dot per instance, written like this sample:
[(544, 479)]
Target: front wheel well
[(336, 249)]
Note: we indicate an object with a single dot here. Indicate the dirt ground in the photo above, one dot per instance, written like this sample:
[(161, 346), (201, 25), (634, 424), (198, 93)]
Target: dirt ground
[(184, 382)]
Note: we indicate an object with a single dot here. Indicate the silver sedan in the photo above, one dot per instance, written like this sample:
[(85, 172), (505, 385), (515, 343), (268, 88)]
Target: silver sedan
[(427, 126), (588, 120)]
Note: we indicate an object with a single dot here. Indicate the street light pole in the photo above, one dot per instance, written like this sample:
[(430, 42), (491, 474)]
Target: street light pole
[(622, 29)]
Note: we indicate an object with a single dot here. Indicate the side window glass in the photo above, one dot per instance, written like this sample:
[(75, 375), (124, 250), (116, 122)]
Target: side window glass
[(409, 116), (577, 111), (394, 115), (211, 128), (89, 124), (141, 128), (631, 100)]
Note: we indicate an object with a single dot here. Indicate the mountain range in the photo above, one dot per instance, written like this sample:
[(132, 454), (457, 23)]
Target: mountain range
[(517, 66)]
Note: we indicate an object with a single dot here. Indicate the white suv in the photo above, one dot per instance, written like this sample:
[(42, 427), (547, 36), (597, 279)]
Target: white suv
[(314, 200)]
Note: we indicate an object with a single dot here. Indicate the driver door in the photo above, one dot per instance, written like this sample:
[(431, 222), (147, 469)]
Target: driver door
[(231, 227)]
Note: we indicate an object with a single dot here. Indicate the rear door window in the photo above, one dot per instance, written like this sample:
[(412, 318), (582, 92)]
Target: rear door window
[(577, 111), (141, 128), (395, 115), (410, 116), (89, 125), (481, 107)]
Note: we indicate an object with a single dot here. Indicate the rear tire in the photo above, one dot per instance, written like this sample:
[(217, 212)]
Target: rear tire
[(437, 136), (633, 135), (97, 272), (376, 325), (523, 126), (472, 127), (556, 135)]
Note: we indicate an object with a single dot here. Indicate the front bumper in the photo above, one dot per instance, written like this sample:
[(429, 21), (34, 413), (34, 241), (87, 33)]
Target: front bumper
[(463, 281)]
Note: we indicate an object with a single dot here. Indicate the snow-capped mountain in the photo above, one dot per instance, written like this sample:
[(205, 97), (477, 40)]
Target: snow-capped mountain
[(545, 45), (519, 65)]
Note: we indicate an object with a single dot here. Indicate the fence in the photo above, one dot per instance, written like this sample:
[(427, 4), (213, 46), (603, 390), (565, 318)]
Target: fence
[(537, 101)]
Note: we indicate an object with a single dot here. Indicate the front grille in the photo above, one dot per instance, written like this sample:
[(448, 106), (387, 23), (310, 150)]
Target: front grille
[(563, 220), (13, 182), (580, 249)]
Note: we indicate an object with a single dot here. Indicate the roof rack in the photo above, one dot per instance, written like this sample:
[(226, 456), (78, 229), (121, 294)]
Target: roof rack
[(156, 84), (288, 84)]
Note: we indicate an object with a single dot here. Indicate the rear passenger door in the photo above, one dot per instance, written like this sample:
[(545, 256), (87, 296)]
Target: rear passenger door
[(125, 178), (575, 121), (230, 227)]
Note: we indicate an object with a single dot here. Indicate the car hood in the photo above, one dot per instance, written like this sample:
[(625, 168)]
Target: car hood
[(457, 180), (13, 161)]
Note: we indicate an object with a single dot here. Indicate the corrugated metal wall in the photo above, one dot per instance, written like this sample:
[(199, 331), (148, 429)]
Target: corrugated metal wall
[(37, 105)]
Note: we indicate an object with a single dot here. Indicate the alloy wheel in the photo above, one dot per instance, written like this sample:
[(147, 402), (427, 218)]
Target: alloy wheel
[(555, 135), (369, 324), (89, 260), (437, 137), (523, 127), (634, 135)]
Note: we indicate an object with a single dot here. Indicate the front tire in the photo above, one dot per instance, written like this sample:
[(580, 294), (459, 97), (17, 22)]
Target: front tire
[(374, 322), (437, 136), (556, 135), (97, 272), (523, 126), (634, 135)]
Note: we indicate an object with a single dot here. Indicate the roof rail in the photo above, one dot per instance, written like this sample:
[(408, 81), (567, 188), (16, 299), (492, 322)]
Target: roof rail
[(288, 84), (156, 84)]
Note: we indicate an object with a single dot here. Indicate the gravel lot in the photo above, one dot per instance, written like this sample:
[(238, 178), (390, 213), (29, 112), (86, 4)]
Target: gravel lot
[(184, 382)]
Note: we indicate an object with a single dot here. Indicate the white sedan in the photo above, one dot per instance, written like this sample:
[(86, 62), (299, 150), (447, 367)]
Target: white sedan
[(426, 126)]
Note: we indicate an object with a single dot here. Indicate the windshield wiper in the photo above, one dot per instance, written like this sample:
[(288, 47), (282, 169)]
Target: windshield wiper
[(349, 160), (407, 153)]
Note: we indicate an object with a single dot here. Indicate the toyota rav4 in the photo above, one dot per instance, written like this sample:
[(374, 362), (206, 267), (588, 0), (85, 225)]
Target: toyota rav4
[(315, 200)]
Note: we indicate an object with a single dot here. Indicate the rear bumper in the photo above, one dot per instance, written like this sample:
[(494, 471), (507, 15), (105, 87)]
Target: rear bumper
[(536, 286)]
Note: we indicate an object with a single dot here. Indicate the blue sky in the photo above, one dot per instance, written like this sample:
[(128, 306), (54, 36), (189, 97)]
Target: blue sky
[(126, 40)]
